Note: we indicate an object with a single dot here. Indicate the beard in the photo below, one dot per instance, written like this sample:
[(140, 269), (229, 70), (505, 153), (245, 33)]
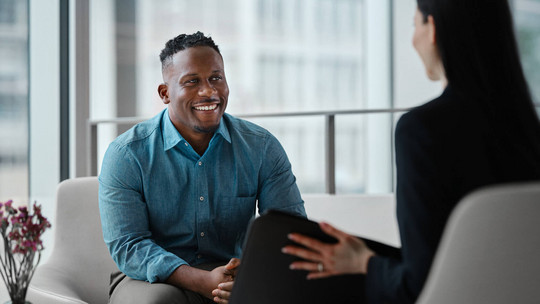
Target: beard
[(206, 130)]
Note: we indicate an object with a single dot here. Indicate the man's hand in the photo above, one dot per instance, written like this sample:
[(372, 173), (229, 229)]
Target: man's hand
[(205, 282), (222, 292), (222, 279)]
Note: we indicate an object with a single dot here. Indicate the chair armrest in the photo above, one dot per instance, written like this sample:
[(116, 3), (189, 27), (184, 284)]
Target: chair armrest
[(53, 285)]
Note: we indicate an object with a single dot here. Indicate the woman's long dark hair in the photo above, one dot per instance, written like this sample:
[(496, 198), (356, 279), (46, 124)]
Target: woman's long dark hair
[(479, 52)]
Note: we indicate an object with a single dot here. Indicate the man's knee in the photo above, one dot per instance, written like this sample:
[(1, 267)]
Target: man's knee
[(133, 291)]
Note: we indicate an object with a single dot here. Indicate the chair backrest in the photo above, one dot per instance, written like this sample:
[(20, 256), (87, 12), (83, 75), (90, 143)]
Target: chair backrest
[(79, 248), (490, 249)]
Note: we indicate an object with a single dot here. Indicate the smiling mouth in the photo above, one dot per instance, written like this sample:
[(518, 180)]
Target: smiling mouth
[(206, 108)]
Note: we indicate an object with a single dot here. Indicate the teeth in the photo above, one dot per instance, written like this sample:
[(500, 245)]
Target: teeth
[(206, 108)]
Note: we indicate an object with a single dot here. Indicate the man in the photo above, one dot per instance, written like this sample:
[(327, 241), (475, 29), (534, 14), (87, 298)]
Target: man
[(177, 191)]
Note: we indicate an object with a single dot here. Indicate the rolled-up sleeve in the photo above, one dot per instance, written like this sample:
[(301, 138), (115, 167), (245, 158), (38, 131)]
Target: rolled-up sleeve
[(125, 221)]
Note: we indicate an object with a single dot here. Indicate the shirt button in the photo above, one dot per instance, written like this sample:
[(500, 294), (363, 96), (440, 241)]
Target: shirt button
[(200, 163), (199, 256), (186, 144), (201, 198), (202, 234)]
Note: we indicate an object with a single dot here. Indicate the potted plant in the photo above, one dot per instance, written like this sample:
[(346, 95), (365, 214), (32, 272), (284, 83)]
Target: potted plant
[(21, 232)]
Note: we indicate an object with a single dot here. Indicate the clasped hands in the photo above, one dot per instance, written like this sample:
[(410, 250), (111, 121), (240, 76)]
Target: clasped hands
[(225, 275), (350, 255)]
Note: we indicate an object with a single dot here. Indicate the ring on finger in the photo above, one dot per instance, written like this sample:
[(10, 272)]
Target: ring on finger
[(320, 267)]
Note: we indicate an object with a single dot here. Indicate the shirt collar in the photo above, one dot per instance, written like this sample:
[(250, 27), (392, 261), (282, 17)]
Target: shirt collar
[(171, 136), (223, 130)]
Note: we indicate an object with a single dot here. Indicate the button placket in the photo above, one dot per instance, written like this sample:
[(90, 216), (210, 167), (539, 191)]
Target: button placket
[(203, 212), (201, 198)]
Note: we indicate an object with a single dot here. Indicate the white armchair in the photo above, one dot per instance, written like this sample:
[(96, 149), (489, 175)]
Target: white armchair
[(490, 250), (79, 268)]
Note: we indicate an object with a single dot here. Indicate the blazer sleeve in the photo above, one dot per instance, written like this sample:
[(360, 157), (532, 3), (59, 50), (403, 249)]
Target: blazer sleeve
[(420, 186)]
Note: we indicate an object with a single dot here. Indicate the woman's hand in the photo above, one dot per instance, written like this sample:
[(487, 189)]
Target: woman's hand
[(349, 255)]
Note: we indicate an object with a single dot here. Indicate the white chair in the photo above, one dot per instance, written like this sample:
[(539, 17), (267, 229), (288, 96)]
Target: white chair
[(490, 249), (79, 267)]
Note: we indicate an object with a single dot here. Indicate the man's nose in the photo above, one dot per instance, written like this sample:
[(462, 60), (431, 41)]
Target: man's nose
[(206, 89)]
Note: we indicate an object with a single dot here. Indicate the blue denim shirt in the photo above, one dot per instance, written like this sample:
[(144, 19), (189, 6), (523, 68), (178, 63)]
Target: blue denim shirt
[(162, 205)]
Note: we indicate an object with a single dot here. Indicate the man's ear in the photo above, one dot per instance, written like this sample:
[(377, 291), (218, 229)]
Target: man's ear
[(432, 29), (163, 91)]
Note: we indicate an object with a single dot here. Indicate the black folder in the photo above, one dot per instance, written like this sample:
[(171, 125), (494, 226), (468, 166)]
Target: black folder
[(264, 276)]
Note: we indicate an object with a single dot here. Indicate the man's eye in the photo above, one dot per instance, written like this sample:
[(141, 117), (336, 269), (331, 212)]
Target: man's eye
[(214, 78), (192, 81)]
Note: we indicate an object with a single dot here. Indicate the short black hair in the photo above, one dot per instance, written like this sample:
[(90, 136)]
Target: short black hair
[(182, 42)]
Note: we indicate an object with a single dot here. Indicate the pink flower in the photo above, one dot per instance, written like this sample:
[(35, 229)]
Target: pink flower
[(21, 232)]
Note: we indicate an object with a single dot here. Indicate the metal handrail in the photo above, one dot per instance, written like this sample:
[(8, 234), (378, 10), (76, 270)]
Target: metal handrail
[(329, 135)]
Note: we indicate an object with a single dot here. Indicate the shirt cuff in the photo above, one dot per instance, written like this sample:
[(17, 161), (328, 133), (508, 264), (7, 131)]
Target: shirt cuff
[(161, 269)]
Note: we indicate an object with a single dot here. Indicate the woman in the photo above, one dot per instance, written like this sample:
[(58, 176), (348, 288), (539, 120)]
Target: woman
[(481, 131)]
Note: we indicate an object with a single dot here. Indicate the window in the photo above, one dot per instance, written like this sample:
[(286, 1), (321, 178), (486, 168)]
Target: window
[(14, 101), (281, 56), (527, 19), (285, 56), (8, 12)]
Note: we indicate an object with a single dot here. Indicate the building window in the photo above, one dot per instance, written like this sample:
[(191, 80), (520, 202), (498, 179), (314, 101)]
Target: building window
[(8, 12), (14, 101), (527, 19)]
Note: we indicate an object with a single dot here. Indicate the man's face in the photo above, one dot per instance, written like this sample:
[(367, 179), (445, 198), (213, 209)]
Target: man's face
[(195, 89)]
